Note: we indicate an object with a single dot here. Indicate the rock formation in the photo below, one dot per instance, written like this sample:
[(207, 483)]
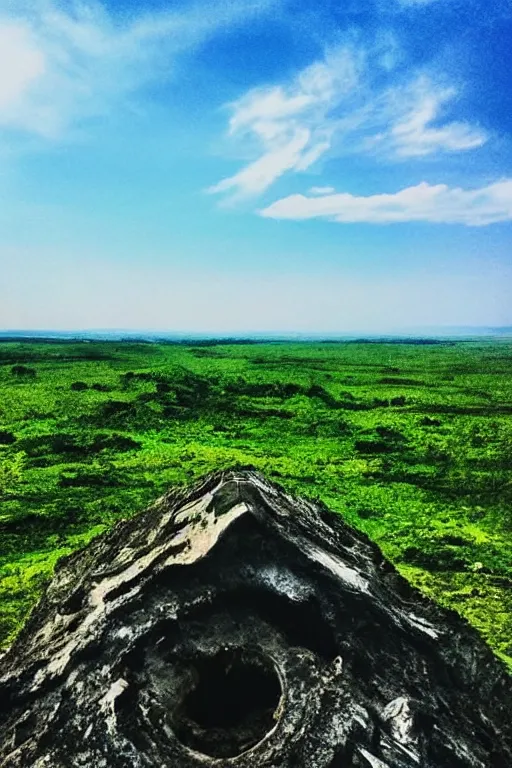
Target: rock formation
[(233, 625)]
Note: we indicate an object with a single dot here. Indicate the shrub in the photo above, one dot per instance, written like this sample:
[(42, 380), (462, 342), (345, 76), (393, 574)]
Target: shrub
[(263, 413), (393, 380), (366, 513), (62, 443), (390, 434), (315, 390), (114, 442), (6, 438), (128, 378), (372, 446), (23, 370), (115, 407), (434, 558), (93, 477), (263, 389), (41, 445), (130, 416), (11, 471)]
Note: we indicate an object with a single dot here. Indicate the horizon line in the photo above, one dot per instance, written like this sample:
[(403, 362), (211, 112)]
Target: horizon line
[(411, 331)]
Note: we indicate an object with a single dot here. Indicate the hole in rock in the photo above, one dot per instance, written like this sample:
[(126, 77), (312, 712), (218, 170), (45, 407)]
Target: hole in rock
[(231, 706)]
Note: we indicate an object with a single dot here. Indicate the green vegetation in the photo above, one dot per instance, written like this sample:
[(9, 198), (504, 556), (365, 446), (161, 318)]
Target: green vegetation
[(409, 442)]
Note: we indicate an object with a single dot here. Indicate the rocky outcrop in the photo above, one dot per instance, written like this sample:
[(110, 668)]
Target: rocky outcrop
[(233, 625)]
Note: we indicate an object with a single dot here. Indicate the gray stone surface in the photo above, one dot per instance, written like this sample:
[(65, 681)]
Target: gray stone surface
[(232, 625)]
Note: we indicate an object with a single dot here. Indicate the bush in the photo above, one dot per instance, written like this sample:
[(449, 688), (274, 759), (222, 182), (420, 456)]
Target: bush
[(100, 387), (373, 446), (93, 477), (41, 445), (11, 471), (322, 394), (115, 407), (434, 558), (23, 370), (63, 443), (128, 378), (6, 438), (114, 442), (80, 444), (263, 413), (262, 389), (334, 428), (392, 380), (79, 386), (390, 434), (26, 523), (366, 513), (130, 416)]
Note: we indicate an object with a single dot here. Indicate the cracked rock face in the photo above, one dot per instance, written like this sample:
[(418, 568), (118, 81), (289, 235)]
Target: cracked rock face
[(232, 625)]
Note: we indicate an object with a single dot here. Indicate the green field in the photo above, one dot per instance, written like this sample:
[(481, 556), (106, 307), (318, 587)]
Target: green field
[(409, 442)]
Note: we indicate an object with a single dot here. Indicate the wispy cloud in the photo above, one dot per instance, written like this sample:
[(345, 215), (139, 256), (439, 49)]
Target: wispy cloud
[(433, 203), (290, 122), (20, 64), (418, 129), (63, 62), (349, 102)]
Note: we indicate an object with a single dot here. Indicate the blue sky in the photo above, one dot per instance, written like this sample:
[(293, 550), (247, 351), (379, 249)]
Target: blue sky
[(255, 165)]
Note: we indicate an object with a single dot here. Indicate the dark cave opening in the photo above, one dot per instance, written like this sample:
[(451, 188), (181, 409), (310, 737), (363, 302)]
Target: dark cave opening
[(231, 706)]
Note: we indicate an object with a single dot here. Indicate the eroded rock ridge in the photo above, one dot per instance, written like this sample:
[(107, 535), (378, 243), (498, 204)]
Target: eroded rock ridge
[(233, 625)]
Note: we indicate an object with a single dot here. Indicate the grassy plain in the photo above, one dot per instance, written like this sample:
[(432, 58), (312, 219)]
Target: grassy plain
[(409, 442)]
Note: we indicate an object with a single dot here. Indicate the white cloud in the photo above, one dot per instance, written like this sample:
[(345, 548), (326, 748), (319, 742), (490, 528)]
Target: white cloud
[(63, 62), (290, 123), (257, 176), (21, 63), (413, 132), (433, 203), (321, 190), (338, 103)]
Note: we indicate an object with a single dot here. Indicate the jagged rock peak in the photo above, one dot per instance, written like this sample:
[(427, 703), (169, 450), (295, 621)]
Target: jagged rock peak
[(233, 625)]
